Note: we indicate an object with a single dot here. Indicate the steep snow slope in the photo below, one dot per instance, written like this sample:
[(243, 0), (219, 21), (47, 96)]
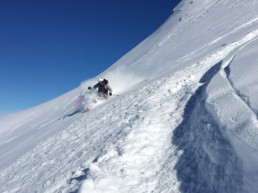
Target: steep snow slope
[(185, 119)]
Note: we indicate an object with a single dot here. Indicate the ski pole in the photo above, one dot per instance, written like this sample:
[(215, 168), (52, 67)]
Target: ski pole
[(79, 99)]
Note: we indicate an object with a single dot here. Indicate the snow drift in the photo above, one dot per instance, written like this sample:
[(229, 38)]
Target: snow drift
[(185, 119)]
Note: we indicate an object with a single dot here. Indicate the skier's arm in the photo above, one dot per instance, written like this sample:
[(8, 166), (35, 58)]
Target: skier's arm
[(94, 87)]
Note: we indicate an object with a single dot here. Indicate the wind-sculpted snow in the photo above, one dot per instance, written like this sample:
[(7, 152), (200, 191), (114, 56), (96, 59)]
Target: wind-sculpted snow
[(235, 115), (204, 148), (243, 75), (237, 122)]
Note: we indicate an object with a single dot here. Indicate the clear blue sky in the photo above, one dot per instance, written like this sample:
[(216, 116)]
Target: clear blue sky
[(48, 47)]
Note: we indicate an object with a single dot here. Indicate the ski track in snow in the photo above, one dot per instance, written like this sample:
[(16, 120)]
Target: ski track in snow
[(243, 26), (242, 41)]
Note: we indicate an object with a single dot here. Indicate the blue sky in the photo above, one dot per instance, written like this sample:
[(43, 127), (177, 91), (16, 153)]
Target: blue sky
[(48, 47)]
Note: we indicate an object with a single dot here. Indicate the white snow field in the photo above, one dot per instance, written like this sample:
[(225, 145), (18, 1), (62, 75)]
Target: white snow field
[(183, 120)]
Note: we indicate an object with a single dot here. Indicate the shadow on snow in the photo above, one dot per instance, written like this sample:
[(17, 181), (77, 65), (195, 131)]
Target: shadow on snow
[(78, 180), (208, 163), (77, 111)]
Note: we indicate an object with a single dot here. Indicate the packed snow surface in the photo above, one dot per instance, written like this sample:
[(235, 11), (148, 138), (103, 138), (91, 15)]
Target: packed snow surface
[(183, 117)]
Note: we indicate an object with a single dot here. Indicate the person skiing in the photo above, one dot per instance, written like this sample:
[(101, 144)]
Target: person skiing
[(103, 88)]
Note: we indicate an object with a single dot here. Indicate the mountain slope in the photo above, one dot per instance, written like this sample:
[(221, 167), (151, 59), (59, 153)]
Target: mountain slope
[(186, 121)]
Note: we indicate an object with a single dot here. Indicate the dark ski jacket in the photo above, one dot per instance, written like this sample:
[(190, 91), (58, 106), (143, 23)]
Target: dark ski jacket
[(103, 87)]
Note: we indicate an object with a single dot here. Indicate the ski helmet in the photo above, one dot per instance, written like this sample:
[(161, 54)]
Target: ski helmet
[(100, 79)]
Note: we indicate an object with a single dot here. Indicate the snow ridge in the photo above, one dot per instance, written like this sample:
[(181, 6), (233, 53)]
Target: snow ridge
[(205, 148), (227, 70)]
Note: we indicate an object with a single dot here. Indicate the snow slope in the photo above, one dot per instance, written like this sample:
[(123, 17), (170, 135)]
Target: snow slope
[(185, 119)]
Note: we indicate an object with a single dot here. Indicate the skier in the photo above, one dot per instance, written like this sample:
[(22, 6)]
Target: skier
[(103, 88)]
